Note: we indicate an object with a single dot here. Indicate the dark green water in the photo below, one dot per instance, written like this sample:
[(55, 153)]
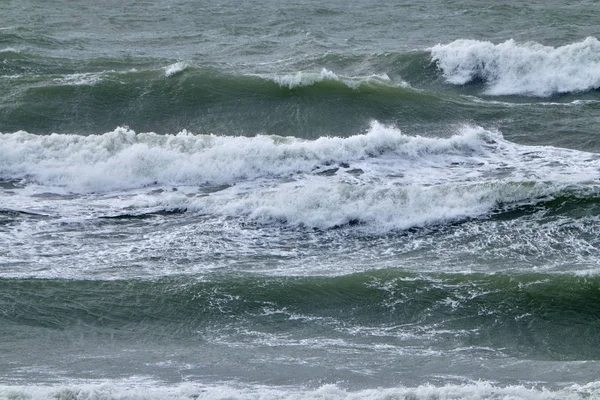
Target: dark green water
[(527, 316)]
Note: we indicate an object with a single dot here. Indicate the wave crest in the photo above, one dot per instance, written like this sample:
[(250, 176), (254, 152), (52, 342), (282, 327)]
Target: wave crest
[(530, 69), (302, 79), (124, 159), (382, 179)]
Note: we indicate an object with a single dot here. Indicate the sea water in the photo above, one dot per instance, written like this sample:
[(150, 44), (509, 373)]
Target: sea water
[(322, 200)]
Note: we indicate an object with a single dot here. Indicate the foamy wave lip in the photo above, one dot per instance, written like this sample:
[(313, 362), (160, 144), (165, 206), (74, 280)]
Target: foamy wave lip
[(524, 69), (467, 391), (176, 68), (123, 159), (302, 79)]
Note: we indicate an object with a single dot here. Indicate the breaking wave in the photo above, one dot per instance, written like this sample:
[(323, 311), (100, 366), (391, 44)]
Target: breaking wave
[(382, 178), (468, 391), (512, 68), (301, 79)]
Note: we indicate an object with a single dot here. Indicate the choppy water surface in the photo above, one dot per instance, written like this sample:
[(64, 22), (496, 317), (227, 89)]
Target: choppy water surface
[(310, 200)]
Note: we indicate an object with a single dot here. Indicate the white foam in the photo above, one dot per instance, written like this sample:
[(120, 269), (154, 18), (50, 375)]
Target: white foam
[(382, 179), (382, 207), (574, 103), (301, 79), (123, 159), (468, 391), (176, 68), (83, 79), (521, 68)]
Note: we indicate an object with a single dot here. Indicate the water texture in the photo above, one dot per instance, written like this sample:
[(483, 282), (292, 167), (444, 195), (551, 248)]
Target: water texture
[(308, 200)]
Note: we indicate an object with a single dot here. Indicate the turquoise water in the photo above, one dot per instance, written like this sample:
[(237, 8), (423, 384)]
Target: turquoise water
[(310, 200)]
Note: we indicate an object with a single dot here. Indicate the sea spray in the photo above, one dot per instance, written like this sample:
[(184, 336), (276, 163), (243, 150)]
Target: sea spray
[(382, 179), (512, 68), (124, 159)]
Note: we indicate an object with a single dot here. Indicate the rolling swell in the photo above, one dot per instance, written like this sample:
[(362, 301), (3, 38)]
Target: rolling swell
[(54, 95), (328, 95), (528, 315)]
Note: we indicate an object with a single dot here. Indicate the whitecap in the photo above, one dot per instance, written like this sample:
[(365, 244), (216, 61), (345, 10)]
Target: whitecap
[(175, 68), (303, 79), (150, 390), (512, 68), (383, 178)]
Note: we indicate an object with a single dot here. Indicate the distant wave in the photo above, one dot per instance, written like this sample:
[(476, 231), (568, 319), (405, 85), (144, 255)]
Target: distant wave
[(574, 103), (243, 82), (296, 80), (83, 79), (178, 95), (530, 69)]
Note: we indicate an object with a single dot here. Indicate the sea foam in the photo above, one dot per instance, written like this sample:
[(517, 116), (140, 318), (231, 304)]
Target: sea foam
[(382, 179), (512, 68), (379, 208), (84, 79), (124, 159), (468, 391), (301, 79), (176, 68)]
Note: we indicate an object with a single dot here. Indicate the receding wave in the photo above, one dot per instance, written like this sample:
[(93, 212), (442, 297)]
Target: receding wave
[(512, 68)]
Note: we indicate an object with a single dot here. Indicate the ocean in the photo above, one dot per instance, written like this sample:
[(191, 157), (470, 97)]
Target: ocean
[(299, 200)]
